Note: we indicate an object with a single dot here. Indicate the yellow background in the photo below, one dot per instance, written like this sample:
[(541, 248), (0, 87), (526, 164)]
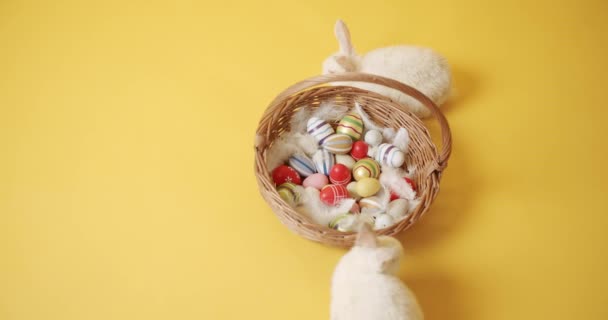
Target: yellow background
[(126, 184)]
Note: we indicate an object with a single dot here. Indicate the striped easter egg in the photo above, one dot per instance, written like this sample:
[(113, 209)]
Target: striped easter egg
[(390, 155), (319, 129), (338, 143), (371, 204), (323, 161), (302, 164), (332, 194), (289, 192), (351, 125), (366, 168)]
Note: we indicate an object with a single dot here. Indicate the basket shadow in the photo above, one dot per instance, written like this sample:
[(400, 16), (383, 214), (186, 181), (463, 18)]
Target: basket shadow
[(441, 296)]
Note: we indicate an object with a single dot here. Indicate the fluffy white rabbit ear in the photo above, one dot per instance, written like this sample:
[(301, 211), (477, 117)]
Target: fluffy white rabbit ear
[(343, 35), (366, 237)]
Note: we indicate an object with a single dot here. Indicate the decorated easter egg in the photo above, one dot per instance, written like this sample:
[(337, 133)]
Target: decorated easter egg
[(289, 192), (390, 155), (351, 125), (373, 137), (302, 164), (352, 190), (339, 174), (323, 161), (359, 150), (333, 193), (343, 223), (319, 129), (346, 160), (337, 143), (383, 221), (367, 187), (316, 180), (398, 208), (366, 168), (410, 182), (355, 208), (284, 174), (372, 204)]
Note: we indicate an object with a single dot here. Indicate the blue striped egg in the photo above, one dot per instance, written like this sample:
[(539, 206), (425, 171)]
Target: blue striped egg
[(390, 155), (338, 143), (319, 129), (302, 164), (323, 161)]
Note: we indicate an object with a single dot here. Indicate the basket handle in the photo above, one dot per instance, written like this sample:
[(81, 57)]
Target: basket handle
[(446, 135)]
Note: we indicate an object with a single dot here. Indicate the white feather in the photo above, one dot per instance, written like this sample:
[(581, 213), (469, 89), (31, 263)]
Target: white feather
[(392, 178), (330, 112), (368, 124), (402, 140), (299, 120)]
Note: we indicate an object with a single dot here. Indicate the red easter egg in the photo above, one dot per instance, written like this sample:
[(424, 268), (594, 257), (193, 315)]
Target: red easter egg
[(284, 174), (333, 193), (339, 174), (359, 150), (395, 196)]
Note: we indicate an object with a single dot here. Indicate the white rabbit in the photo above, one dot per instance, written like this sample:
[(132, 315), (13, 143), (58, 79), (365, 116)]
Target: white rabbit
[(365, 285), (421, 68)]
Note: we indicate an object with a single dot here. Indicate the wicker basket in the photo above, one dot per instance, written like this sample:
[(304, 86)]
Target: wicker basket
[(385, 112)]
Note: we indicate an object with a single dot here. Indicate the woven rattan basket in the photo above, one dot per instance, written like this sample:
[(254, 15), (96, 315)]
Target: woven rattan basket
[(422, 152)]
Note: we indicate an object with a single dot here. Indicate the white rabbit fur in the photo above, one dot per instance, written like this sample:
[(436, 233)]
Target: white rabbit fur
[(365, 285), (419, 67)]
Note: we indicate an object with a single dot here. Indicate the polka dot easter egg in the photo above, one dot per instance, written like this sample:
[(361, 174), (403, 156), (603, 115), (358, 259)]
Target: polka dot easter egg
[(337, 143), (323, 161), (319, 129), (390, 155), (302, 164), (351, 125), (383, 221), (284, 174), (339, 174), (366, 168), (333, 193), (289, 192)]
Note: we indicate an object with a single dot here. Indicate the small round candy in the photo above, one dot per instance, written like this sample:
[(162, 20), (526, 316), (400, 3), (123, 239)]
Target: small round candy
[(289, 192), (284, 174), (339, 174), (359, 150), (373, 137), (383, 221), (366, 168), (316, 180), (333, 193), (367, 187), (346, 160)]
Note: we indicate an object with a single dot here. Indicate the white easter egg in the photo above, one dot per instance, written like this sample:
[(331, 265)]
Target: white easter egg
[(373, 137), (346, 160), (383, 221)]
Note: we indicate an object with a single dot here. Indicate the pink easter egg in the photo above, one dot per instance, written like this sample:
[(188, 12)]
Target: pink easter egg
[(333, 193), (284, 174), (339, 174), (316, 180), (359, 150)]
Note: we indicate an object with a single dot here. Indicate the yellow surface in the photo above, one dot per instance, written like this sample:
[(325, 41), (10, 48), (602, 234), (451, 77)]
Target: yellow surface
[(126, 185)]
